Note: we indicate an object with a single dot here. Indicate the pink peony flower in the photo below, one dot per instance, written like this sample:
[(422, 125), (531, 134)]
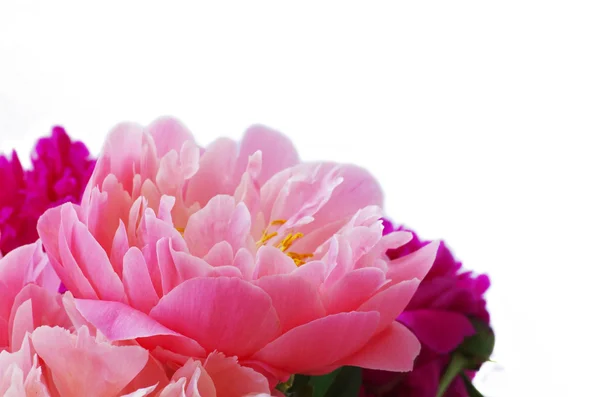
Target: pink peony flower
[(239, 249), (59, 174), (52, 351), (440, 315)]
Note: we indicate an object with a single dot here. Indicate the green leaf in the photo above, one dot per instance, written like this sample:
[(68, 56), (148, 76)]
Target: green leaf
[(471, 390), (321, 384), (479, 347), (346, 384)]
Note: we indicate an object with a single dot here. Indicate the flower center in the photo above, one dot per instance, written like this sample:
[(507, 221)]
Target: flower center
[(284, 244)]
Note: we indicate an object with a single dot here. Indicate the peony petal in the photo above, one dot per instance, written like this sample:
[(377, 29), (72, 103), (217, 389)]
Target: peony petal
[(231, 379), (101, 369), (354, 288), (220, 220), (394, 349), (414, 265), (309, 348), (222, 314), (118, 321), (169, 134), (278, 152), (214, 175), (390, 301), (270, 261), (138, 284), (440, 330), (295, 299)]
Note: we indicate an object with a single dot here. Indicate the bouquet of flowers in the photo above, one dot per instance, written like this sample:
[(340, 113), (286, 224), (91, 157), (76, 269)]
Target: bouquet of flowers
[(169, 269)]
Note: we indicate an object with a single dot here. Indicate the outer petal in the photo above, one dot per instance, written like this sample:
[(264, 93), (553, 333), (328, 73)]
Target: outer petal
[(414, 265), (390, 302), (221, 313), (394, 349), (102, 369), (231, 379), (295, 299), (168, 134), (118, 321), (309, 348), (278, 152)]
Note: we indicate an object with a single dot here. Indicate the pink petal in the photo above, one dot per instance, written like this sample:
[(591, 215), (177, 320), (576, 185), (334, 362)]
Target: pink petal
[(354, 288), (295, 299), (119, 248), (214, 175), (414, 265), (309, 348), (101, 369), (440, 330), (138, 284), (220, 254), (222, 314), (231, 379), (220, 220), (270, 261), (118, 321), (33, 307), (394, 349), (390, 302), (169, 134), (278, 152)]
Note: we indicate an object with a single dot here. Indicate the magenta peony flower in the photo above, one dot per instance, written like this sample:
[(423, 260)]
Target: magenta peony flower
[(59, 174), (440, 315), (238, 248), (13, 227)]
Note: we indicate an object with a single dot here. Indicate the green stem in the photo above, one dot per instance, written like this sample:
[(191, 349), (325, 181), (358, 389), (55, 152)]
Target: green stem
[(457, 363)]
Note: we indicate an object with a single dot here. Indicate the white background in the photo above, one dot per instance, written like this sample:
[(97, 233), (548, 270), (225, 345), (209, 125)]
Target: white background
[(479, 118)]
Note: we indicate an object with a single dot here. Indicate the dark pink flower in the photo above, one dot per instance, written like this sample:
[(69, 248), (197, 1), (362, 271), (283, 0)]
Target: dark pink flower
[(60, 171), (440, 315)]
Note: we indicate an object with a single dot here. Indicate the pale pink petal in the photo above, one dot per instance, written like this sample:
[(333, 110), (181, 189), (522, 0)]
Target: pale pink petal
[(169, 134), (394, 349), (33, 307), (120, 245), (198, 382), (231, 379), (118, 321), (189, 266), (215, 173), (308, 348), (221, 254), (222, 314), (136, 278), (278, 152), (105, 210), (55, 229), (414, 265), (102, 369), (270, 260), (220, 220), (248, 190), (295, 299)]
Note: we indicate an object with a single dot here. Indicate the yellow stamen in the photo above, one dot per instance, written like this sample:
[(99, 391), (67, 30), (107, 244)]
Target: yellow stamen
[(265, 237), (285, 244), (180, 230)]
